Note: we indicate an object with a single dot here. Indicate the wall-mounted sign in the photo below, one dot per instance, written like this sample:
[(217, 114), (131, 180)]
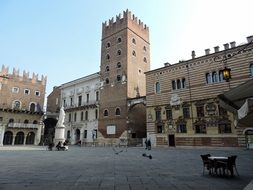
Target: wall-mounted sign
[(111, 130)]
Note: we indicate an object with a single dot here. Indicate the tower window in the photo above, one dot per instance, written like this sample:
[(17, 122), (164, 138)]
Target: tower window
[(118, 78), (134, 53), (107, 68), (106, 81), (108, 56), (27, 91), (144, 48), (133, 40), (119, 40), (15, 89), (37, 93), (145, 60), (108, 45), (118, 52), (118, 65), (16, 104)]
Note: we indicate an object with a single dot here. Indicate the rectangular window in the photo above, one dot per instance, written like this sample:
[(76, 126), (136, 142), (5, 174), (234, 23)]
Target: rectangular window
[(186, 112), (222, 111), (56, 101), (225, 128), (70, 117), (27, 91), (87, 98), (97, 96), (200, 111), (71, 101), (158, 115), (200, 129), (15, 89), (169, 114), (75, 117), (85, 134), (79, 100), (1, 119), (159, 129), (81, 116), (64, 103), (181, 128)]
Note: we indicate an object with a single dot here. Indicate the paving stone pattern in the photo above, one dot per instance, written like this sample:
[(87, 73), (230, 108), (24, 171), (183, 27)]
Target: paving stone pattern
[(100, 168)]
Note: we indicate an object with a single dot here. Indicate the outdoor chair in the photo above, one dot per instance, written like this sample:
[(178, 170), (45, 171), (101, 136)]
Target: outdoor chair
[(229, 165), (206, 162)]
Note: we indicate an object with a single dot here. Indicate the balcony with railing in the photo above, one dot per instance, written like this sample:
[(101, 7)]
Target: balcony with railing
[(90, 104), (24, 125)]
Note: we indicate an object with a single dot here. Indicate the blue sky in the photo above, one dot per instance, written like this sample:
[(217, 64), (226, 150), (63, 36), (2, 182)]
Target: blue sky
[(62, 39)]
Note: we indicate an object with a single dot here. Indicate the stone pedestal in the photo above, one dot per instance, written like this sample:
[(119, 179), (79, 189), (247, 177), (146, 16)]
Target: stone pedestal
[(59, 134)]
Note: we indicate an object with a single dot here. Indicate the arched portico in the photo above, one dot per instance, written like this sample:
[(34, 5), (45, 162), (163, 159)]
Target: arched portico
[(8, 137), (248, 132)]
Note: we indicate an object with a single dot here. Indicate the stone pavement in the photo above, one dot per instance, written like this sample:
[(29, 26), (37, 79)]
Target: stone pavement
[(32, 168)]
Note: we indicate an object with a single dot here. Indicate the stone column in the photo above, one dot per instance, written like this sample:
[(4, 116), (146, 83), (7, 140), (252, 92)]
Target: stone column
[(13, 139)]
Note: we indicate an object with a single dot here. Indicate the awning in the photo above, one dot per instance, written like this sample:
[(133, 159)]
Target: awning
[(235, 98)]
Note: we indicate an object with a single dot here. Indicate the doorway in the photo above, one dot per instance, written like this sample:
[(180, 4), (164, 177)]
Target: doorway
[(171, 140)]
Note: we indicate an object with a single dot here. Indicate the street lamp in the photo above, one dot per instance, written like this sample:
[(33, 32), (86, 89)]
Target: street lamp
[(226, 74)]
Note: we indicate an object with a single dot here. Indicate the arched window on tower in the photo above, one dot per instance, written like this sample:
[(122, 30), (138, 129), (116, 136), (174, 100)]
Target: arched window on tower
[(107, 56), (134, 41), (118, 65), (183, 83), (119, 40), (145, 60), (134, 53), (119, 52), (107, 68)]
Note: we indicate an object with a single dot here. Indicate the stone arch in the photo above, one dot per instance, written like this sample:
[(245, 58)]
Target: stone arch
[(49, 130), (19, 139), (32, 107), (30, 138), (8, 137), (77, 135)]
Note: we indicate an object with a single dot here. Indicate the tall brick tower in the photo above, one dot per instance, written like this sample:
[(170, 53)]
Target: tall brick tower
[(125, 57)]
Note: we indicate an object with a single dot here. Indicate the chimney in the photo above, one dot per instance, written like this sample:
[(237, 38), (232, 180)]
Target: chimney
[(193, 54), (226, 46), (207, 51), (166, 64), (232, 44), (250, 39), (216, 49)]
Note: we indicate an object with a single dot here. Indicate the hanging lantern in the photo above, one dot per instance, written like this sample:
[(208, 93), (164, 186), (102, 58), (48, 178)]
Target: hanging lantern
[(226, 74)]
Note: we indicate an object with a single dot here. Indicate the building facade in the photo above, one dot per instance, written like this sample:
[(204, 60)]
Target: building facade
[(125, 57), (80, 99), (21, 107), (51, 116), (182, 104)]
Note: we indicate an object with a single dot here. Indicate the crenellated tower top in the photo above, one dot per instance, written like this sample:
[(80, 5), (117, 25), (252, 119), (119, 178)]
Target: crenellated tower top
[(128, 20), (25, 77)]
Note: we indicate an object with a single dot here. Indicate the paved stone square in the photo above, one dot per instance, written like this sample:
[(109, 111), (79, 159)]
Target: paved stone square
[(119, 168)]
